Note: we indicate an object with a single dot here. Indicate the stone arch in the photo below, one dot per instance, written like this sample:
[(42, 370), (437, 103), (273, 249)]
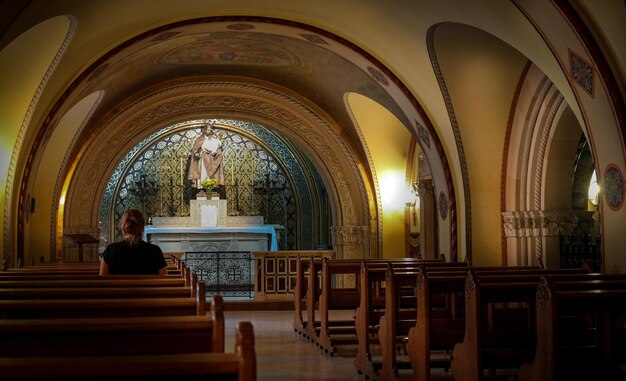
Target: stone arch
[(54, 36), (305, 126), (543, 138)]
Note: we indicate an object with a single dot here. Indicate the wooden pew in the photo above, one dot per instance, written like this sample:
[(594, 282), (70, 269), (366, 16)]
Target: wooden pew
[(445, 306), (307, 269), (73, 308), (494, 342), (64, 272), (238, 366), (372, 307), (488, 343), (334, 332), (340, 290), (438, 329), (109, 281), (45, 293), (399, 317), (173, 267), (114, 336), (368, 313), (581, 331)]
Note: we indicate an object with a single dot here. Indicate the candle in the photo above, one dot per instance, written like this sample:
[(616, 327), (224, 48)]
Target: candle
[(181, 172), (232, 173), (160, 194)]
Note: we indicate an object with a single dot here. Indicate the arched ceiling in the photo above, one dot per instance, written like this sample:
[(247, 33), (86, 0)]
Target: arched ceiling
[(314, 52), (290, 58)]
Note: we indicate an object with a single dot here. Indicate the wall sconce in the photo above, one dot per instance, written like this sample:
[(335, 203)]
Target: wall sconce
[(594, 190), (412, 198)]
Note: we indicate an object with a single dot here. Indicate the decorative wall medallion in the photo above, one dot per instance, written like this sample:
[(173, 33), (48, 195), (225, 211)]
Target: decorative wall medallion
[(614, 186), (582, 72), (240, 26), (443, 205), (378, 75), (422, 134), (165, 36), (314, 38)]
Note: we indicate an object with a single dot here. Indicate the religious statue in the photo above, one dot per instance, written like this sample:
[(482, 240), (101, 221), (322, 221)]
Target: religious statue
[(207, 161)]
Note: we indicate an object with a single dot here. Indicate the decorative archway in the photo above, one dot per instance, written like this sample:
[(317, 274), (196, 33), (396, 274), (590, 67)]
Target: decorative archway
[(538, 172), (306, 127)]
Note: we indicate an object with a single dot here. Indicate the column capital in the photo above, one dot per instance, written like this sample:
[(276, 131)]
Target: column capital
[(543, 223)]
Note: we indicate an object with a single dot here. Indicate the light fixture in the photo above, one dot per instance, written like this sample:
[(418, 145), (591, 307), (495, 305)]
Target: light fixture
[(412, 195), (594, 190)]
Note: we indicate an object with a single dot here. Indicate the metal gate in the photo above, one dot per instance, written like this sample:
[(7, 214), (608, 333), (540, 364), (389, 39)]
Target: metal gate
[(227, 273)]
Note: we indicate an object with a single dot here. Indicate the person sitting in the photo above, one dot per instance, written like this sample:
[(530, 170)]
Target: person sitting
[(132, 255)]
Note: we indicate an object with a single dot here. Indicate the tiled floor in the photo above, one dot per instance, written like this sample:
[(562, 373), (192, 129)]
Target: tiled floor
[(282, 355)]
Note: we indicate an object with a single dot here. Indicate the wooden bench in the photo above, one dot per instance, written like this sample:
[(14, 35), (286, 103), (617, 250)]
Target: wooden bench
[(372, 308), (94, 292), (108, 281), (391, 336), (581, 331), (114, 336), (399, 317), (72, 308), (307, 269), (334, 331), (438, 329), (32, 273), (69, 268), (499, 322), (339, 290), (237, 366)]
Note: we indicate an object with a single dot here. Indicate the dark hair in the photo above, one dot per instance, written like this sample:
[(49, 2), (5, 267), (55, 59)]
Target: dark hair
[(132, 224)]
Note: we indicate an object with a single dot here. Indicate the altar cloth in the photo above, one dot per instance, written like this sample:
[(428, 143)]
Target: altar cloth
[(261, 229)]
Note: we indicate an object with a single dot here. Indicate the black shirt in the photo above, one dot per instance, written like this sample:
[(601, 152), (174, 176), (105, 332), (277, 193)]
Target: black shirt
[(144, 258)]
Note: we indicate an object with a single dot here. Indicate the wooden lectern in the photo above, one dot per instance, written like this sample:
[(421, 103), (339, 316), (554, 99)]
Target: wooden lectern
[(81, 239)]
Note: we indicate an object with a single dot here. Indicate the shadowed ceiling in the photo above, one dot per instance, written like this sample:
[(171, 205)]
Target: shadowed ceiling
[(299, 63)]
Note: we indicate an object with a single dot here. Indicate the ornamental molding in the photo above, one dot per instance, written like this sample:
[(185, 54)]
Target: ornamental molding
[(542, 223), (21, 136), (224, 99), (350, 235)]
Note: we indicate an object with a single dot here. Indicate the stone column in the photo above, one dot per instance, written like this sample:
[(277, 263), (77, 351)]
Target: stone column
[(350, 242), (426, 193)]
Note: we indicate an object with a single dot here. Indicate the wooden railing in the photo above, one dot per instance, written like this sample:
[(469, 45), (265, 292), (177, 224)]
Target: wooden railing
[(275, 272)]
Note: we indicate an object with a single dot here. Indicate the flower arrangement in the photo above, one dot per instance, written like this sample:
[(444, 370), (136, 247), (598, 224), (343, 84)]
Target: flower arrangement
[(209, 185)]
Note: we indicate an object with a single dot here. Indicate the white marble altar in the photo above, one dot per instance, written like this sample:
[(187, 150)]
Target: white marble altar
[(210, 228)]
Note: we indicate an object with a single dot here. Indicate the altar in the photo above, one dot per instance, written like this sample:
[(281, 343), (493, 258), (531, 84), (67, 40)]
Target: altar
[(209, 229)]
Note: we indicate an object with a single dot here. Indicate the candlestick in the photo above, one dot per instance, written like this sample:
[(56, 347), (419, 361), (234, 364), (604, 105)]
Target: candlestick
[(232, 173), (160, 195), (181, 172)]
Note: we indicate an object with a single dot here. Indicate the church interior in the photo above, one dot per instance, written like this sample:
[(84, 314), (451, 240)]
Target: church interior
[(485, 133)]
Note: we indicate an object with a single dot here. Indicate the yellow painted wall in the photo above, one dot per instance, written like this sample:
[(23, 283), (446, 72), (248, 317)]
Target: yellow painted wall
[(23, 65), (39, 223), (387, 142), (481, 74)]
